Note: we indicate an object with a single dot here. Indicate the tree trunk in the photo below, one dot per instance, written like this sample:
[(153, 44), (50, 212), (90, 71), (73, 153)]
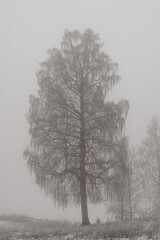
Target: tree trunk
[(129, 192), (122, 195), (122, 205), (84, 208), (83, 190)]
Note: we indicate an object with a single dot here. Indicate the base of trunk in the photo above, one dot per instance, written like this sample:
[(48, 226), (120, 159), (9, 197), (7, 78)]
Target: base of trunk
[(85, 223)]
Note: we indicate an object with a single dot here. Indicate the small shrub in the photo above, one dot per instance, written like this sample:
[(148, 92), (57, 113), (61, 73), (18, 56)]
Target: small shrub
[(98, 221)]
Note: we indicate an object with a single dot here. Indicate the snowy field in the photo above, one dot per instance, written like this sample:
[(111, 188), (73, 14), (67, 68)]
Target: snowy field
[(47, 230)]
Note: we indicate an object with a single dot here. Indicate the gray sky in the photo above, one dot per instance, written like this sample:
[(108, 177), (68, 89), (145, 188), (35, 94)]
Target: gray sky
[(130, 31)]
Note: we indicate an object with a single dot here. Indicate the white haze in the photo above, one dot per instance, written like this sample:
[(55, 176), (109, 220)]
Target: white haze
[(130, 31)]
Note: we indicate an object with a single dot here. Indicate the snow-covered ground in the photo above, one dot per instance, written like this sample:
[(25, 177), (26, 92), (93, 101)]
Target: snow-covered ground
[(6, 224)]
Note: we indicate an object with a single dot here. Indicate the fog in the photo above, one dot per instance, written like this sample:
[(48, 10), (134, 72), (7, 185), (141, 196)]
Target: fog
[(130, 33)]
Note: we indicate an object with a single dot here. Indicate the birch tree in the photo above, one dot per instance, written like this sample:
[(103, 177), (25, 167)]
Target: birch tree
[(149, 154), (70, 122)]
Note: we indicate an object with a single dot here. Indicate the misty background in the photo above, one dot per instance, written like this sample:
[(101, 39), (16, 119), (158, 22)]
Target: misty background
[(130, 31)]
